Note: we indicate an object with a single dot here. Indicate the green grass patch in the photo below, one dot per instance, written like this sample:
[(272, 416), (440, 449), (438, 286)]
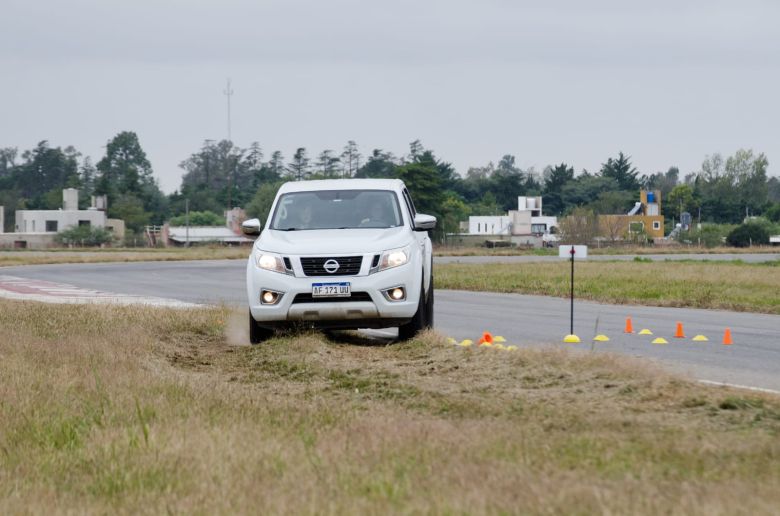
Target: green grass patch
[(729, 286)]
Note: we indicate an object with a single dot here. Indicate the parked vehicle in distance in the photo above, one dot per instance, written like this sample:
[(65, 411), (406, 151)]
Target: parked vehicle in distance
[(341, 253), (550, 238)]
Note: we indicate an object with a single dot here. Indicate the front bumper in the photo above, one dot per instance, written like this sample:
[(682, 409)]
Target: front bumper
[(371, 311)]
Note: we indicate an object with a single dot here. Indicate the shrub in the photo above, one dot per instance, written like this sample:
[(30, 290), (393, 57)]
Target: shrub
[(710, 235), (198, 218), (748, 234), (87, 236), (773, 213)]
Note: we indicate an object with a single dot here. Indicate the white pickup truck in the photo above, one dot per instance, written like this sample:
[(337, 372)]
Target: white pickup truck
[(343, 253)]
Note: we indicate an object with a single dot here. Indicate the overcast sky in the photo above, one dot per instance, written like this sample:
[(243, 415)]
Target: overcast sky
[(665, 81)]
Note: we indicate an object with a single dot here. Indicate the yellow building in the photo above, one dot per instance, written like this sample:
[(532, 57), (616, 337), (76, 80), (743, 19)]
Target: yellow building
[(645, 217)]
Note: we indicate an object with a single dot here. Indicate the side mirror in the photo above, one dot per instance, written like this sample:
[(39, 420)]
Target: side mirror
[(424, 222), (251, 227)]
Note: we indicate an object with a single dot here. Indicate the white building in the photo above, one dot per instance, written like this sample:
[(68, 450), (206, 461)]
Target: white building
[(54, 221), (230, 234), (526, 220), (37, 228), (490, 225)]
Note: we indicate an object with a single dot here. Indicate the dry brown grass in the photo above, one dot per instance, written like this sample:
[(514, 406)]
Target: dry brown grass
[(698, 284), (133, 410), (11, 258)]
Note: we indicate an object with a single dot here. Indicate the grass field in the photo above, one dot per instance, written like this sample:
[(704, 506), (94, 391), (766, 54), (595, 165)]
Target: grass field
[(134, 410), (631, 250), (722, 285)]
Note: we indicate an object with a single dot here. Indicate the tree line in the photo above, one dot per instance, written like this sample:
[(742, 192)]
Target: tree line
[(221, 174)]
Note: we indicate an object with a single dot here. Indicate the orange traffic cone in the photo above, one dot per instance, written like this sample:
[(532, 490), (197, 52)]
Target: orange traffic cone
[(486, 340), (679, 334), (629, 326), (727, 337)]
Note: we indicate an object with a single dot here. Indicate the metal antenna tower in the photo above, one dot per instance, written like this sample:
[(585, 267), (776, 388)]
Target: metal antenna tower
[(228, 93)]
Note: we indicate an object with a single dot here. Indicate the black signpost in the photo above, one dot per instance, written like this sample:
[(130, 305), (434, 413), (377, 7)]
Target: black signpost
[(571, 252)]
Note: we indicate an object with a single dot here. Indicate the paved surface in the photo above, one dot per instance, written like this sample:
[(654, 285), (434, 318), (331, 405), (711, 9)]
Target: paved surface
[(753, 360), (30, 289)]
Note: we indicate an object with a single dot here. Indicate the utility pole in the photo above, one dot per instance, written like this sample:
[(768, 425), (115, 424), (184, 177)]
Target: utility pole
[(229, 93)]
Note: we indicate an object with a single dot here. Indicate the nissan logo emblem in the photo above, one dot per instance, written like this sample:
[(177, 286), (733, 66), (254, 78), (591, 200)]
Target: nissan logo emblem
[(331, 266)]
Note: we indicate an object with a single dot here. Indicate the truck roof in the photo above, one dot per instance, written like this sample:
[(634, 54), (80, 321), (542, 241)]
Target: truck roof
[(341, 184)]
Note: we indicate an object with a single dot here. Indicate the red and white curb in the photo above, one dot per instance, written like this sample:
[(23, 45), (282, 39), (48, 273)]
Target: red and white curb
[(26, 289)]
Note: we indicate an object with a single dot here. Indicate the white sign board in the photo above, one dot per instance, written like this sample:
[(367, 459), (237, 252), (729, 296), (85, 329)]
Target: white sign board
[(580, 251)]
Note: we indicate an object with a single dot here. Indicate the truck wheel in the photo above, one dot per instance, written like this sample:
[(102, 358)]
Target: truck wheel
[(417, 324), (429, 306), (258, 334)]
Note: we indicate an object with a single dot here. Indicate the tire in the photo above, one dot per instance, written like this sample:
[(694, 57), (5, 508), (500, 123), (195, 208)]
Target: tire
[(418, 323), (258, 334), (429, 306)]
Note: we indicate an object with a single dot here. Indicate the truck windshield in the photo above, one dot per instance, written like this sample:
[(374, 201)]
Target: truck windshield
[(337, 209)]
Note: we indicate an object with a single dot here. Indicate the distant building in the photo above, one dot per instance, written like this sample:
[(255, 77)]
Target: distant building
[(490, 225), (525, 225), (37, 228), (179, 236), (644, 218), (230, 234)]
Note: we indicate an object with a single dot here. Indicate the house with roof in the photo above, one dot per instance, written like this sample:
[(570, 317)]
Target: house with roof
[(644, 218), (37, 229)]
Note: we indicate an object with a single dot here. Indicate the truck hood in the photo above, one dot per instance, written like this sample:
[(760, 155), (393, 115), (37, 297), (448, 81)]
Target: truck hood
[(333, 241)]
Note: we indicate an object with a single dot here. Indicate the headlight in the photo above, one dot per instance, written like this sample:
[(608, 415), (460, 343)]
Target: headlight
[(394, 258), (270, 262)]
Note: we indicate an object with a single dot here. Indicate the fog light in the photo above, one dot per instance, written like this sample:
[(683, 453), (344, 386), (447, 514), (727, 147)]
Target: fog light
[(269, 297), (395, 293)]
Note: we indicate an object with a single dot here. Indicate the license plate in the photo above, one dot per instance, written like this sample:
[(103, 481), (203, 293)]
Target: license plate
[(342, 289)]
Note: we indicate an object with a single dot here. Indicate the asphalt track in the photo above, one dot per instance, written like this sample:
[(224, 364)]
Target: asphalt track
[(753, 360)]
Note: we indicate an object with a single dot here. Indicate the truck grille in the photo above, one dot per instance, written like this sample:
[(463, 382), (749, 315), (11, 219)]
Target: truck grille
[(307, 298), (348, 266)]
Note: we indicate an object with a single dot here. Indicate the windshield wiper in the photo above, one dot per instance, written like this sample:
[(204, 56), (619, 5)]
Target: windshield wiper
[(286, 229)]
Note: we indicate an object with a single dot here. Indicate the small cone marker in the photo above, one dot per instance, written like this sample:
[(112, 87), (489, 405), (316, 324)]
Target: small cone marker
[(571, 339), (486, 340), (679, 334), (645, 332), (727, 337), (601, 338), (700, 338), (629, 326), (466, 343), (660, 340), (499, 338)]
